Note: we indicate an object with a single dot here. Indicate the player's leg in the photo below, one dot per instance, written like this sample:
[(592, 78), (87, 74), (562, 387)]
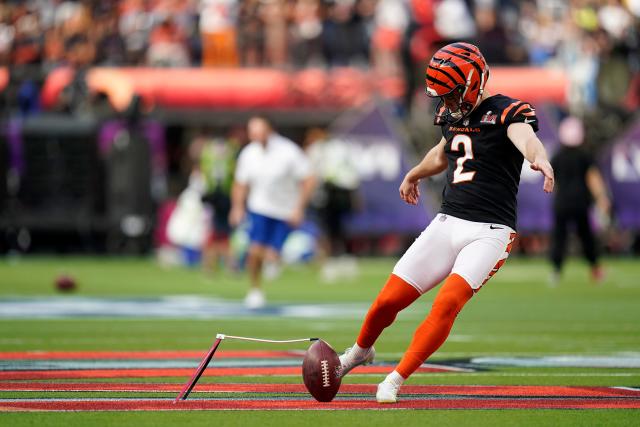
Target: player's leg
[(222, 208), (474, 265), (279, 230), (395, 296), (589, 246), (255, 259), (558, 244), (258, 238), (424, 265), (429, 336)]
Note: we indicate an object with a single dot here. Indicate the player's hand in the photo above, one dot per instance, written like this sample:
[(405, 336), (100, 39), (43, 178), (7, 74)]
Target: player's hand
[(236, 216), (409, 191), (296, 219), (545, 168), (603, 205)]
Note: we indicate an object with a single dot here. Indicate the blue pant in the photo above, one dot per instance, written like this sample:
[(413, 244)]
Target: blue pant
[(268, 231)]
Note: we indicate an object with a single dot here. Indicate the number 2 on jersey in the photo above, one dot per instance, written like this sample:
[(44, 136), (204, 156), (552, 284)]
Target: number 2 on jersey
[(464, 141)]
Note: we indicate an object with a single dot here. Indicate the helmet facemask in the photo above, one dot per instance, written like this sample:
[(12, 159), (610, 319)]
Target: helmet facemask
[(452, 107)]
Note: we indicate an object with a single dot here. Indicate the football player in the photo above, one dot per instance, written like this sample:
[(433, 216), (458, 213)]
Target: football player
[(485, 139)]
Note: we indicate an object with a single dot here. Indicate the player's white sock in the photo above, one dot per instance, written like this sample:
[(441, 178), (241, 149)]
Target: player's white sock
[(395, 378), (388, 389), (358, 352)]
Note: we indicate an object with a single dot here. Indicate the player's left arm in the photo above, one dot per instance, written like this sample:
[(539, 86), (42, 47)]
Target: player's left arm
[(526, 141), (598, 190), (303, 171), (307, 186)]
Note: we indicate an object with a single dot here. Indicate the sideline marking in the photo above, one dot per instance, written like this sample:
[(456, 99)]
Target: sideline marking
[(171, 307), (566, 361)]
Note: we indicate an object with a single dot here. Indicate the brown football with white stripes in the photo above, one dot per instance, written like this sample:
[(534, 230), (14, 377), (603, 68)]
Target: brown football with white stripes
[(321, 371)]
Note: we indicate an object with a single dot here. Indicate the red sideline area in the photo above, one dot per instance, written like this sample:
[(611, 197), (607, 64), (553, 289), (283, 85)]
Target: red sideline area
[(292, 404), (248, 88), (91, 355), (211, 371), (459, 390)]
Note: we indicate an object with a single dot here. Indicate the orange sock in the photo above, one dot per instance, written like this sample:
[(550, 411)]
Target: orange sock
[(436, 327), (395, 296)]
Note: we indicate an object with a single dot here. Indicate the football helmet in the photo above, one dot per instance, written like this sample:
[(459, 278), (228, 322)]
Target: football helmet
[(457, 74)]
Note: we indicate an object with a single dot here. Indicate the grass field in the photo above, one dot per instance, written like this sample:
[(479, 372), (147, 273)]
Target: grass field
[(516, 315)]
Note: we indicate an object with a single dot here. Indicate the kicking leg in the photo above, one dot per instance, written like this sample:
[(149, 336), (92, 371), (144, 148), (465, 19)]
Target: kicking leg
[(409, 280), (394, 297), (434, 330), (429, 336)]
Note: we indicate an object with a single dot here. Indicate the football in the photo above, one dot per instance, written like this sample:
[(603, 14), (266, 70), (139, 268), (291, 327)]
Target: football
[(65, 283), (321, 371)]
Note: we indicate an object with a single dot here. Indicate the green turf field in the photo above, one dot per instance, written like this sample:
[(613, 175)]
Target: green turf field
[(516, 314)]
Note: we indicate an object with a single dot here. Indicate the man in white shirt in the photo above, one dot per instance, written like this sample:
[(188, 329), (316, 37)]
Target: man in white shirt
[(274, 179)]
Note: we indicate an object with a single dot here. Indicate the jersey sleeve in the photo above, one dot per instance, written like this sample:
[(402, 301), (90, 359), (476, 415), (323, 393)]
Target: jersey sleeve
[(520, 112), (302, 167)]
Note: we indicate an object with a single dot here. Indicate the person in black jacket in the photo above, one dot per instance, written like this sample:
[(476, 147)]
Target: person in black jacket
[(579, 184)]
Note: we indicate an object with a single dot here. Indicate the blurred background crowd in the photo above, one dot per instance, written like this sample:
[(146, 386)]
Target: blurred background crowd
[(593, 44), (596, 41)]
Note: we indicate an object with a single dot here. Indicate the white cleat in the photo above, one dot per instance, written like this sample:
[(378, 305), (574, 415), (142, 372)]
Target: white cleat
[(387, 392), (255, 299), (349, 360)]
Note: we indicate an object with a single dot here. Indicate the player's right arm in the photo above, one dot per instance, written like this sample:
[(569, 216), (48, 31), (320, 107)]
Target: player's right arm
[(434, 162), (598, 190), (239, 194), (524, 138), (240, 189)]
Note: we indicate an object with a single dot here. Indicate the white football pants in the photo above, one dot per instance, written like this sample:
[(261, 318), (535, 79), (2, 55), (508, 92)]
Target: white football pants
[(473, 250)]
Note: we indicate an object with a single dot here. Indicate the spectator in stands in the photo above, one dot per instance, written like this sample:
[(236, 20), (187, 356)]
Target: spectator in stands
[(276, 197), (110, 46), (344, 36), (135, 24), (53, 49), (305, 34), (492, 38), (218, 28), (75, 97), (578, 183), (27, 39), (167, 46), (391, 21), (7, 33), (250, 34), (274, 17), (453, 20)]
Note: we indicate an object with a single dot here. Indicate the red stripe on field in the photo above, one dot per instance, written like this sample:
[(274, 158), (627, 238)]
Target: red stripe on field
[(506, 391), (181, 372), (167, 405), (49, 355)]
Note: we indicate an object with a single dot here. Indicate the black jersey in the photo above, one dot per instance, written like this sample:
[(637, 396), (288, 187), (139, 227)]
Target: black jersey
[(570, 166), (484, 165)]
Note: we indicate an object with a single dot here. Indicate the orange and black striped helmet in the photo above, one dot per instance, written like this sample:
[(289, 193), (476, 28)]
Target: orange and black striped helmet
[(459, 73)]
